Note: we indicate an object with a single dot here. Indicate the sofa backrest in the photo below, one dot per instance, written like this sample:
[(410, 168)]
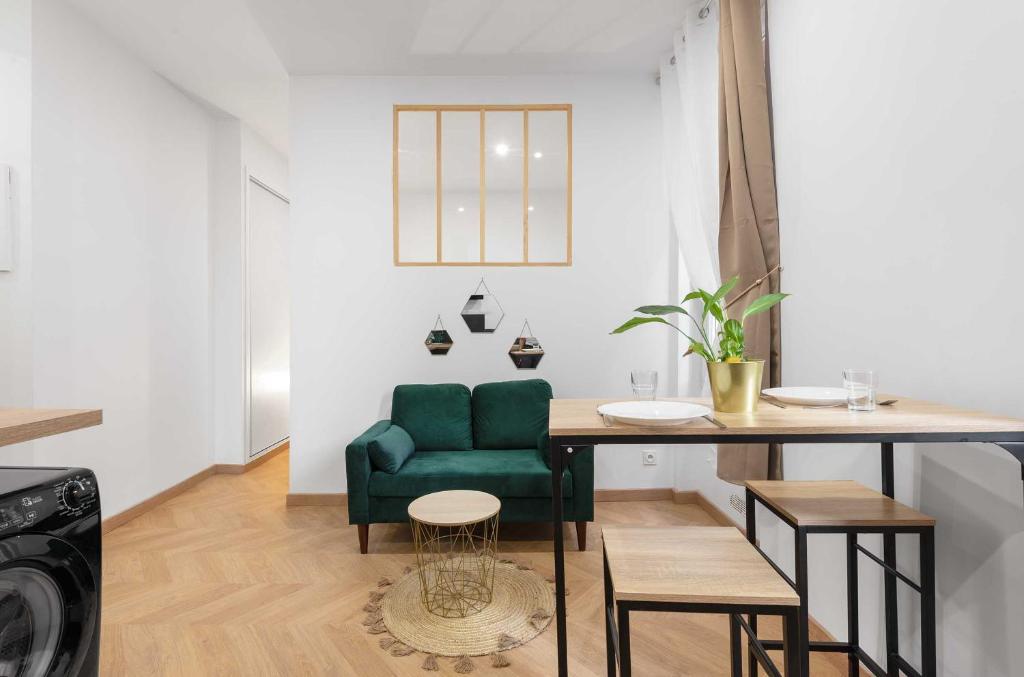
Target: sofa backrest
[(437, 417), (510, 414)]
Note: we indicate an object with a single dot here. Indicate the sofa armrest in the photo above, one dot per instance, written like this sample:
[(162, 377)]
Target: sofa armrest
[(581, 467), (357, 471)]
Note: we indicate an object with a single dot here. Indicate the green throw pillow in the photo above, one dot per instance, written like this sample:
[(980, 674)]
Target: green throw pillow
[(391, 449)]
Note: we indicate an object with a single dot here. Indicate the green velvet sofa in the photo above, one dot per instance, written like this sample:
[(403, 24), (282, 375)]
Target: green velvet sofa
[(493, 439)]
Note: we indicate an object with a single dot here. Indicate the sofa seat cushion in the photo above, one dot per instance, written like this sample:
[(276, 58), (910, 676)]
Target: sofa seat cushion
[(510, 414), (437, 417), (505, 473)]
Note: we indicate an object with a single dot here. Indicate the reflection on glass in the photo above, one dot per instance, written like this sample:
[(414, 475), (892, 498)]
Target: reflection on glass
[(417, 179), (503, 174), (460, 186), (548, 186)]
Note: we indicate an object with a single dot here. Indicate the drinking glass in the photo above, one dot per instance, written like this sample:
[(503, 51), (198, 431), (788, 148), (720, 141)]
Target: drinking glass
[(645, 383), (860, 387)]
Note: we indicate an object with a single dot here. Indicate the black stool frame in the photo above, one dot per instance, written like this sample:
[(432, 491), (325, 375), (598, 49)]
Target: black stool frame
[(895, 663), (617, 635)]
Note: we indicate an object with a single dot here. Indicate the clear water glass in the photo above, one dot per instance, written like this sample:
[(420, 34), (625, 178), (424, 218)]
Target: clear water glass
[(645, 383), (861, 386)]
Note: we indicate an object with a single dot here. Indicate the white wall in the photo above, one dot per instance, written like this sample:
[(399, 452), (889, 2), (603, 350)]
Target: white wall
[(120, 267), (15, 151), (358, 323), (898, 143)]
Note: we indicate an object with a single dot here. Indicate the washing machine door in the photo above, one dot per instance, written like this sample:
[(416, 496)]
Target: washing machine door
[(47, 607)]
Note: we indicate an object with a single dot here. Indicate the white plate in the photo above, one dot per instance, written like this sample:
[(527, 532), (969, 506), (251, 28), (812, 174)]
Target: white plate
[(653, 412), (808, 395)]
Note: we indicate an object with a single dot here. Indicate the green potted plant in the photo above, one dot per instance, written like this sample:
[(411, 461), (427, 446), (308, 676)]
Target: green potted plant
[(735, 378)]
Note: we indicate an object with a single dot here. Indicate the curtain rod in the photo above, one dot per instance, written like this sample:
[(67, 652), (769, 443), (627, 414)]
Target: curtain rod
[(705, 10)]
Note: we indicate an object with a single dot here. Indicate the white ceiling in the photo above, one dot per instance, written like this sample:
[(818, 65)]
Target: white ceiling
[(468, 37), (237, 54)]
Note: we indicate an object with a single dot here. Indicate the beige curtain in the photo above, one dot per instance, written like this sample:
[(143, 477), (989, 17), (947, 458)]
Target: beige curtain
[(748, 237)]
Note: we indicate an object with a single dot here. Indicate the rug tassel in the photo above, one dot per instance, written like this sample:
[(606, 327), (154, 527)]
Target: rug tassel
[(376, 597), (539, 619), (400, 649), (371, 608), (384, 582), (373, 618), (387, 642), (430, 663), (524, 566), (506, 641), (464, 665), (377, 628), (407, 570), (499, 660)]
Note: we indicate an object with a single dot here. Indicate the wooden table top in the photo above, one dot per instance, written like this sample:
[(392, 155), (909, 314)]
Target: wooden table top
[(580, 418), (454, 508), (22, 425), (708, 565)]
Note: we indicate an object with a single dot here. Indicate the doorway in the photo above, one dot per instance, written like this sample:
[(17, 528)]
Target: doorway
[(267, 319)]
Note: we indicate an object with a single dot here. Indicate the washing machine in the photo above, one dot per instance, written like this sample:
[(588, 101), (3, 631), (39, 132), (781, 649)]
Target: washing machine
[(49, 572)]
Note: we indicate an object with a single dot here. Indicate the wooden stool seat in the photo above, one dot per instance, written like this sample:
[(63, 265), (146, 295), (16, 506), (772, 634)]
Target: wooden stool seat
[(837, 503), (702, 565), (702, 570)]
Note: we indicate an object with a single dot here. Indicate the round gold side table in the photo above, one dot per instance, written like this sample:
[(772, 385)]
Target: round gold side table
[(456, 538)]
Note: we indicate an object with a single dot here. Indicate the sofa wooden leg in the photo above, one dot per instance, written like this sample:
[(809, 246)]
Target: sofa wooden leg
[(581, 535), (364, 537)]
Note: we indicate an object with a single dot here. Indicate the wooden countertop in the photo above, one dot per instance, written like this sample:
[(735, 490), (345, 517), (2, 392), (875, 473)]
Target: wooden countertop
[(22, 425), (580, 417)]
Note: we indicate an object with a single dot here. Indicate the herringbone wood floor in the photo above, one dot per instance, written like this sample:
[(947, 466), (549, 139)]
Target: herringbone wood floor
[(226, 580)]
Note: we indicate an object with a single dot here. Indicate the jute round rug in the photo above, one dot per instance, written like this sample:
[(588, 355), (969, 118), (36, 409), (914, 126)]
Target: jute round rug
[(521, 608)]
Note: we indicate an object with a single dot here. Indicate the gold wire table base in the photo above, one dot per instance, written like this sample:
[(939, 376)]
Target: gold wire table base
[(456, 565)]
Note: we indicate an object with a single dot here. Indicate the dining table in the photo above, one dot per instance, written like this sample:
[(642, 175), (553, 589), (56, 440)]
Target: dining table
[(576, 423)]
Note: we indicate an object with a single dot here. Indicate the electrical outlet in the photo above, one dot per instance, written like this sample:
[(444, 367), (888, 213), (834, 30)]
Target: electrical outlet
[(650, 457)]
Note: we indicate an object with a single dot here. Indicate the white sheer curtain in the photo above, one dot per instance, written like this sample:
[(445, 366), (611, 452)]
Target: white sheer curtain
[(689, 100)]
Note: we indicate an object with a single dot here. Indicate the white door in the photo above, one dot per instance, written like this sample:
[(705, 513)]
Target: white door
[(267, 273)]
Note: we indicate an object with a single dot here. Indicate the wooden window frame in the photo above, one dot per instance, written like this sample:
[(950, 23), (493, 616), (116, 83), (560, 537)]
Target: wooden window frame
[(483, 109)]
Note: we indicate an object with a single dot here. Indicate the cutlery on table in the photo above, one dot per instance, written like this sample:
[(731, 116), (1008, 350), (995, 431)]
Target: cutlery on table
[(772, 401), (711, 419), (883, 403)]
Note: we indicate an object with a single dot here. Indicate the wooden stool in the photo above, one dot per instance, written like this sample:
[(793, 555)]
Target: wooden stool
[(846, 507), (710, 570)]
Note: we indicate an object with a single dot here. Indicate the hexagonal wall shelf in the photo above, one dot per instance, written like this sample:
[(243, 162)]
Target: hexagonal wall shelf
[(526, 351), (482, 312), (439, 341)]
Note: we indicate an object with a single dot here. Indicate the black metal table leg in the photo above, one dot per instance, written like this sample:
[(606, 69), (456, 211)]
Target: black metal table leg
[(625, 669), (751, 618), (928, 648), (557, 460), (803, 641), (892, 633), (791, 650), (735, 650), (852, 604), (609, 615)]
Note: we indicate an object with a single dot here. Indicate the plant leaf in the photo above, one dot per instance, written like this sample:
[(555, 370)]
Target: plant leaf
[(661, 310), (636, 322), (711, 306), (725, 288), (762, 304), (695, 294)]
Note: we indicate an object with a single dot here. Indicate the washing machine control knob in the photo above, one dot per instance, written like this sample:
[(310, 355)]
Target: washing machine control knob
[(76, 493)]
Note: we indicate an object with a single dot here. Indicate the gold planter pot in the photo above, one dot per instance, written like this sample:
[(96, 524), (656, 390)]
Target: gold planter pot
[(736, 386)]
